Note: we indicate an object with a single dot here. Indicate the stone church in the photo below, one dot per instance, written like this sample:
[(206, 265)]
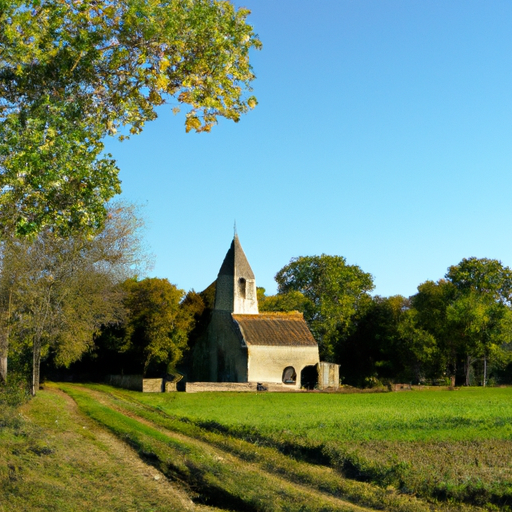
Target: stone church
[(244, 345)]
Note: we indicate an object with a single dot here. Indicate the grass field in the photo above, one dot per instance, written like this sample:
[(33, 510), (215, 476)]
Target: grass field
[(447, 445), (464, 415), (52, 458), (409, 451)]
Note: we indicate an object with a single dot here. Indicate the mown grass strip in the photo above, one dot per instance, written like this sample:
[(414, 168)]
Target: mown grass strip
[(271, 460), (53, 458), (474, 471), (213, 474)]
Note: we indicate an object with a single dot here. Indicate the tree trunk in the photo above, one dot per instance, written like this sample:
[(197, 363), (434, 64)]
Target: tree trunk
[(4, 346), (36, 365), (485, 372), (3, 356), (4, 342), (453, 373), (3, 369), (467, 369)]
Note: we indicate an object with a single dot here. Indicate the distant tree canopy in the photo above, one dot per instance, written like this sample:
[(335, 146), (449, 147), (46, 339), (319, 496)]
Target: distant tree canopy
[(451, 330), (329, 293), (447, 331), (386, 344), (291, 301), (72, 73), (153, 336), (59, 295)]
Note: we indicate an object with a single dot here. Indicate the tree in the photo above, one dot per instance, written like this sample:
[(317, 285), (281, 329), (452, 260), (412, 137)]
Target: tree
[(386, 344), (60, 291), (5, 315), (334, 292), (481, 311), (468, 313), (416, 349), (157, 326), (72, 72), (367, 353), (430, 307), (489, 278), (291, 301)]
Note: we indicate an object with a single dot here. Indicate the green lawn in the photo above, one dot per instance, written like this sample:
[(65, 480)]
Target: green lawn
[(402, 452), (464, 415), (446, 445)]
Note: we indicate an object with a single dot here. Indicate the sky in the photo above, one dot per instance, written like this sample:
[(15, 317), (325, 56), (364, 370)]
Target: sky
[(383, 134)]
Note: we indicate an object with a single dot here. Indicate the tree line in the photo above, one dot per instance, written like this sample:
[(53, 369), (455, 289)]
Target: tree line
[(455, 330), (76, 303)]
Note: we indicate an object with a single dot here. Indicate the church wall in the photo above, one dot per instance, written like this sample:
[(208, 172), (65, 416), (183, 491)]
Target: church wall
[(228, 359), (267, 363)]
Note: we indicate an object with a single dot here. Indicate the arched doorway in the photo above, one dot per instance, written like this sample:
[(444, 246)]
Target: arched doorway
[(309, 377), (289, 375)]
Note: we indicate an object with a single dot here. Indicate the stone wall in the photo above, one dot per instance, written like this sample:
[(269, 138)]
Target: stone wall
[(328, 375), (238, 387), (170, 386), (267, 363), (152, 385), (137, 383)]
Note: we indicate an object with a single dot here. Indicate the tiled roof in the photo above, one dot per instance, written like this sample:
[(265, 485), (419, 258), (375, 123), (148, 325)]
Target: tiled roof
[(275, 329)]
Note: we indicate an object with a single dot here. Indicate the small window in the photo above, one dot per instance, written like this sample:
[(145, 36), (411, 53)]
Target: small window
[(289, 375), (242, 285)]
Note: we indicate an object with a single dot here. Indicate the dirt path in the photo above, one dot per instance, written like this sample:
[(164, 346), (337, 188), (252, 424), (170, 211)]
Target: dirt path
[(153, 479), (226, 458)]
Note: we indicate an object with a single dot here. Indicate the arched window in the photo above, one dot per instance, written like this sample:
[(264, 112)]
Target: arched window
[(289, 375), (242, 287)]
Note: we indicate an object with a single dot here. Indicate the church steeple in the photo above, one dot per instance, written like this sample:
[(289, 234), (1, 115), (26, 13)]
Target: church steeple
[(236, 286)]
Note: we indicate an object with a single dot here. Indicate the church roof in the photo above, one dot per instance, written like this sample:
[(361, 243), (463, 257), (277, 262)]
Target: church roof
[(236, 259), (275, 329)]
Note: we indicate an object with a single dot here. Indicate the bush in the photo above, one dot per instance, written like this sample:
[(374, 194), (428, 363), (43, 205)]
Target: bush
[(15, 392)]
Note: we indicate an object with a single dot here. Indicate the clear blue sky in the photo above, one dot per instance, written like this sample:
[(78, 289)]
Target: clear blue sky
[(383, 134)]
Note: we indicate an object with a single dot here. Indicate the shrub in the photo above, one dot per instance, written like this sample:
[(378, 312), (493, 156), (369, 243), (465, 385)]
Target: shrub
[(15, 392)]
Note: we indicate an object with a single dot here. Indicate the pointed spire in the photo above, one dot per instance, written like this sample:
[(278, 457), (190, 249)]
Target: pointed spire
[(236, 260), (236, 285)]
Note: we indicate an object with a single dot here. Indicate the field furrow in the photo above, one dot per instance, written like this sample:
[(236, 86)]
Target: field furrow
[(217, 476), (228, 470)]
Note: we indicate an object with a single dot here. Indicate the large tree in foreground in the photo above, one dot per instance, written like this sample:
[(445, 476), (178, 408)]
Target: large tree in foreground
[(74, 71)]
